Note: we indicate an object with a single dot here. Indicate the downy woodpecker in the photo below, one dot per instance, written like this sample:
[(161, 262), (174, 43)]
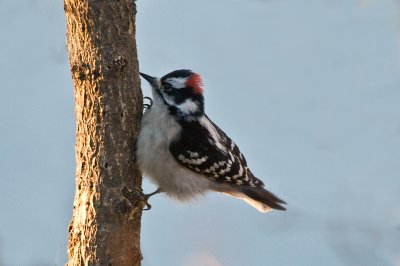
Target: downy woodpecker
[(185, 154)]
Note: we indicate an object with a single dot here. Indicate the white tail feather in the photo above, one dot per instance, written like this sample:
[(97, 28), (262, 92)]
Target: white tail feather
[(261, 207), (256, 204)]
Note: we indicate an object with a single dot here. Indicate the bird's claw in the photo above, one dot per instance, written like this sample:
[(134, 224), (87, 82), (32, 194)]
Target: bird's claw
[(147, 106), (134, 196)]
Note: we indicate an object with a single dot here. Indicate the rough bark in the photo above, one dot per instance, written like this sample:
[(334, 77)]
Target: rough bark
[(105, 227)]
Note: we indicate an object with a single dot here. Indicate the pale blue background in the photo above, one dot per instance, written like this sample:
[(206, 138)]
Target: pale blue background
[(309, 89)]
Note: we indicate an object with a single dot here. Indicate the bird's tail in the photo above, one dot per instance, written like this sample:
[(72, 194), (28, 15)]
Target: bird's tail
[(261, 199)]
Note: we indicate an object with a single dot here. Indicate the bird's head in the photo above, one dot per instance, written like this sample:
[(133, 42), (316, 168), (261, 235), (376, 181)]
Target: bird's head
[(181, 91)]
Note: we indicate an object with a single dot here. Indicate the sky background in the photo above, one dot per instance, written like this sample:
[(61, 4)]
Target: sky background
[(308, 89)]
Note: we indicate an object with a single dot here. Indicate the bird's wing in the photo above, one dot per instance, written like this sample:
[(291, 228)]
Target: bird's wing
[(205, 149)]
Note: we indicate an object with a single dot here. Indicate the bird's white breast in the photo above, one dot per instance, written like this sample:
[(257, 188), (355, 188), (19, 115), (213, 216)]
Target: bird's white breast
[(158, 129)]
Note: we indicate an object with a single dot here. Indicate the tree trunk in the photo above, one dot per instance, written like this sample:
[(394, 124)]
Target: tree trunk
[(105, 226)]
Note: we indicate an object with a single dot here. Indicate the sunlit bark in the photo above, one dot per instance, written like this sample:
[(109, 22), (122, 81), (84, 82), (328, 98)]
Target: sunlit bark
[(105, 227)]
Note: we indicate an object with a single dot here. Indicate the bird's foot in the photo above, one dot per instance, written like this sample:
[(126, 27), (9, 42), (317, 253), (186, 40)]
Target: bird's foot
[(147, 106), (135, 196)]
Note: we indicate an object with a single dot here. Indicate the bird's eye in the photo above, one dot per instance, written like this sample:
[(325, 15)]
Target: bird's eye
[(167, 87)]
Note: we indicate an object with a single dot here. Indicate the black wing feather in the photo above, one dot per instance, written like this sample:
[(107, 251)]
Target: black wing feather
[(213, 155)]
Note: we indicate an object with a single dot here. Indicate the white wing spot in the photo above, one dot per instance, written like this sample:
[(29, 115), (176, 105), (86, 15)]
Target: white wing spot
[(240, 170), (193, 154), (232, 145), (198, 161)]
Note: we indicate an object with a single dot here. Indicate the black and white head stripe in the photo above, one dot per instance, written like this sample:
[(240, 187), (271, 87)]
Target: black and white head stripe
[(182, 90), (176, 79), (181, 73)]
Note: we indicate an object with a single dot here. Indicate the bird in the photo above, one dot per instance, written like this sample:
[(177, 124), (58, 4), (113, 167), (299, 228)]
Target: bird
[(183, 152)]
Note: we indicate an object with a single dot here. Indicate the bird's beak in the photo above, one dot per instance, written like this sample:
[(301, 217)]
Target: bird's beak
[(152, 80)]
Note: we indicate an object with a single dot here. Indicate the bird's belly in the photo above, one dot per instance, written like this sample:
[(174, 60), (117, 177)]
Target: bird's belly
[(156, 163)]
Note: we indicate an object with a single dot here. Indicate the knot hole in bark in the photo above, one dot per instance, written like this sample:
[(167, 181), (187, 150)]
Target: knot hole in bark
[(84, 72), (119, 62)]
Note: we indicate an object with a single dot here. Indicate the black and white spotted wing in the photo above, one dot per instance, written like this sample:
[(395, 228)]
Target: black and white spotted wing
[(205, 149)]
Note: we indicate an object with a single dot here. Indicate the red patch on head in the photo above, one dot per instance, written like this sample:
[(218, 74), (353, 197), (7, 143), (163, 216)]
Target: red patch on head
[(196, 83)]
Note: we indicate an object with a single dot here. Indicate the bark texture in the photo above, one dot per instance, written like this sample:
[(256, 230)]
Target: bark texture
[(105, 227)]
